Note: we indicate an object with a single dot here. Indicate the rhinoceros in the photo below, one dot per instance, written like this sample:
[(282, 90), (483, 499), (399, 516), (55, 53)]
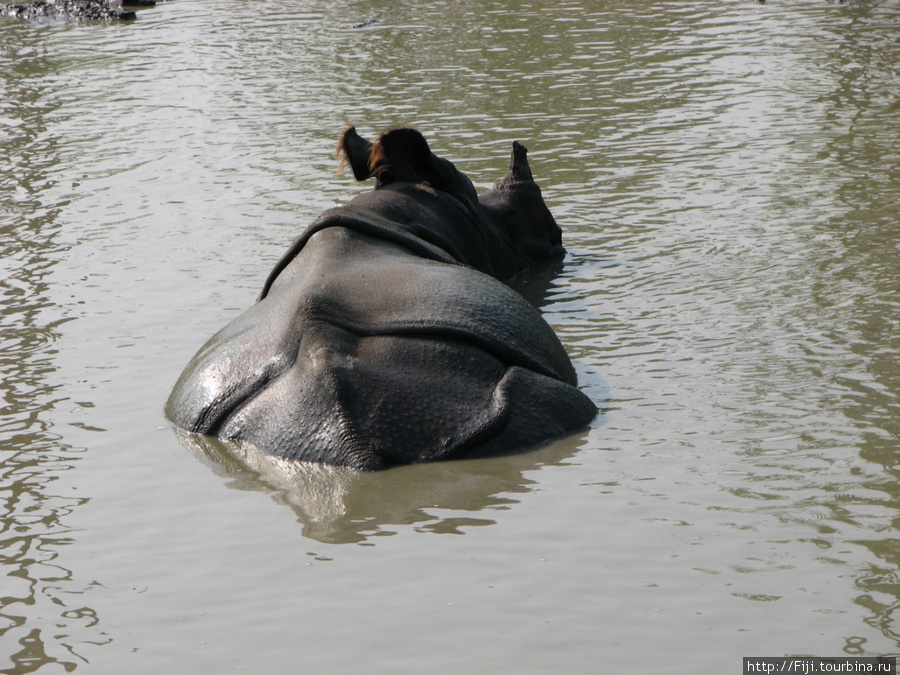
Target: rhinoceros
[(385, 336)]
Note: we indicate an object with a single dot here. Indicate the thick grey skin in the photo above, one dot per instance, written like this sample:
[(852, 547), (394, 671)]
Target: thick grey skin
[(377, 341)]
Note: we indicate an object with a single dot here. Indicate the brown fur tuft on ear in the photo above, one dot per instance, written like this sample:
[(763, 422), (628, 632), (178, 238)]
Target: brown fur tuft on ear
[(340, 152), (341, 156), (379, 166), (353, 151)]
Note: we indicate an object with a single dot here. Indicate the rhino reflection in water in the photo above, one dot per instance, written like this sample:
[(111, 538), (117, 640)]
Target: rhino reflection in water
[(383, 336), (336, 505)]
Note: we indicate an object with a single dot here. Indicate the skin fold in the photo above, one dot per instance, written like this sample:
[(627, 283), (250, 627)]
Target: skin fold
[(385, 335)]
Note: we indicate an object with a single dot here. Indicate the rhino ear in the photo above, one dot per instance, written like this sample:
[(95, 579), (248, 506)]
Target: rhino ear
[(402, 155), (354, 151), (519, 170)]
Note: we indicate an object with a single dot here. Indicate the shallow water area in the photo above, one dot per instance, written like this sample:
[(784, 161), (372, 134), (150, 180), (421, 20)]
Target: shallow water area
[(727, 176)]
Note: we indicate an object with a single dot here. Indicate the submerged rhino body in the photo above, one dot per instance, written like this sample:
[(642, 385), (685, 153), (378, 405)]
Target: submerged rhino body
[(383, 336)]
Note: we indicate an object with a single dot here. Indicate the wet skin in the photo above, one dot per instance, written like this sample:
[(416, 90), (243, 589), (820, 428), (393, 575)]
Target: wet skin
[(384, 335)]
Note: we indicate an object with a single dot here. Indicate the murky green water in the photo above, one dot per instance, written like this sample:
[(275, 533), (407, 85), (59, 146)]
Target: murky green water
[(728, 178)]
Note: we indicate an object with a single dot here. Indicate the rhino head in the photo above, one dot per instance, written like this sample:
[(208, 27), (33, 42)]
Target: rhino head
[(518, 228)]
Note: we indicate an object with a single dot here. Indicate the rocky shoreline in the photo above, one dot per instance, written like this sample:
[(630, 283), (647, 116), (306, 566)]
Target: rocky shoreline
[(75, 10)]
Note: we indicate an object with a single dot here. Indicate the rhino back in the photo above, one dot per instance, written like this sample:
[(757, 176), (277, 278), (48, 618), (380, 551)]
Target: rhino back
[(372, 287), (272, 374)]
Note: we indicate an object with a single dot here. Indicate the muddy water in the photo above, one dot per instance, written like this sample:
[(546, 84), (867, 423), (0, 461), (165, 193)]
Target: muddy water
[(728, 178)]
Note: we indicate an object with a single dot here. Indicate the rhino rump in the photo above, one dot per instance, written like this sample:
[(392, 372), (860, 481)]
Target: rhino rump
[(384, 400), (453, 364)]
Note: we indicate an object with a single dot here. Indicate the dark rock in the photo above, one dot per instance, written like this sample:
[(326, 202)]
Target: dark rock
[(71, 10)]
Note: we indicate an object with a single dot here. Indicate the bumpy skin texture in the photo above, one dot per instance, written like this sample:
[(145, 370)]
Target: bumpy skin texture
[(382, 337)]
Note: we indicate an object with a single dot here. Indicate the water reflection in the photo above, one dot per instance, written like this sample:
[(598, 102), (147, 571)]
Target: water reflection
[(866, 156), (340, 506), (536, 284), (866, 159), (337, 505), (728, 178), (32, 513)]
